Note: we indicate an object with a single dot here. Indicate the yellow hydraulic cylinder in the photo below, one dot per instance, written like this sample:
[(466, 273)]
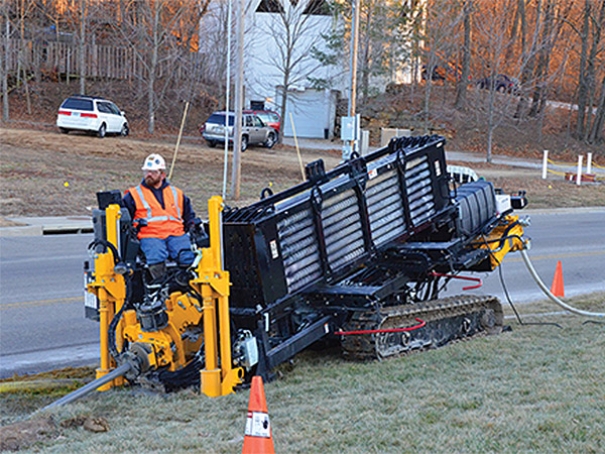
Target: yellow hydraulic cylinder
[(218, 377), (110, 289)]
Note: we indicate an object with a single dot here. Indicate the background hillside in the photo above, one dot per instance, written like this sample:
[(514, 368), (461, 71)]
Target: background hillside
[(400, 107), (148, 57)]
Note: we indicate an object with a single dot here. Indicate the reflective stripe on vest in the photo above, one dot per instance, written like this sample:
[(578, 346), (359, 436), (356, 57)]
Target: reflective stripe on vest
[(161, 222)]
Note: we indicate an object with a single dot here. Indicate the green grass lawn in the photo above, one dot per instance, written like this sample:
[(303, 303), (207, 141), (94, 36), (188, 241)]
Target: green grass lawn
[(535, 388)]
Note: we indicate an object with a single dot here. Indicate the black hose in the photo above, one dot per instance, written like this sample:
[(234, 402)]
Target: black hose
[(107, 244), (505, 289)]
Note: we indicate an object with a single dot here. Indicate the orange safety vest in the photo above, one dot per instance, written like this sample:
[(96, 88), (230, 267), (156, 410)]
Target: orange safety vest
[(161, 222)]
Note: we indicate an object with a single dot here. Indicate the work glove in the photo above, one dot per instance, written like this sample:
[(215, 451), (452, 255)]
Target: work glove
[(197, 233)]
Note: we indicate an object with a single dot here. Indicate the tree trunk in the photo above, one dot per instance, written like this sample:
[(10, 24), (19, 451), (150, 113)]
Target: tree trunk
[(491, 125), (462, 84), (591, 71), (153, 65), (543, 60), (284, 118), (583, 87), (528, 56), (596, 134), (286, 81), (22, 69), (82, 46), (4, 66)]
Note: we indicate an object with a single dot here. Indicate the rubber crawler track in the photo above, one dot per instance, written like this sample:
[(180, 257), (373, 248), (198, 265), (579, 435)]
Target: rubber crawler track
[(448, 319)]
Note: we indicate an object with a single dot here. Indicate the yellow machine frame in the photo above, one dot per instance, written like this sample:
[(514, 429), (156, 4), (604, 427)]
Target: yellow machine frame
[(213, 284), (504, 238), (219, 377)]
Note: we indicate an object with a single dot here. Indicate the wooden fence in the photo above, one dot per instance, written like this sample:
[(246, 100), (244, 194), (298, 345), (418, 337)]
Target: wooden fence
[(101, 61)]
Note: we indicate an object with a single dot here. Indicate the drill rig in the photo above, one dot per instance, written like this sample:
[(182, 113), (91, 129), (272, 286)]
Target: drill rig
[(357, 255)]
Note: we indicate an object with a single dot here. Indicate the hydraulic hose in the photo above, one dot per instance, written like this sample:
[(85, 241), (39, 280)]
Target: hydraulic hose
[(90, 387), (548, 293)]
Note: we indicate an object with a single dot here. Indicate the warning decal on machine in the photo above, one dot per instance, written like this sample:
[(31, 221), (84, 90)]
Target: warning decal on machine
[(273, 247), (257, 425)]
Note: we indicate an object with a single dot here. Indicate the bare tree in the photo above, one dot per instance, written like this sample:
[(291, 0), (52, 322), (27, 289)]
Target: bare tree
[(82, 44), (493, 33), (294, 30), (155, 29), (555, 15), (4, 65), (598, 125), (461, 86), (593, 23), (24, 8), (439, 47)]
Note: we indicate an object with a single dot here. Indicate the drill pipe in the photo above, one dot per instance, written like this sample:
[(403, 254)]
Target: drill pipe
[(93, 385)]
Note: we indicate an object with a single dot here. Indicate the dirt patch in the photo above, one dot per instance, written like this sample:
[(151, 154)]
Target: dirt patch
[(22, 435), (45, 173)]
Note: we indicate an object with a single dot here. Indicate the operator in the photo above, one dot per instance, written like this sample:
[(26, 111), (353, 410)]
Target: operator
[(163, 213)]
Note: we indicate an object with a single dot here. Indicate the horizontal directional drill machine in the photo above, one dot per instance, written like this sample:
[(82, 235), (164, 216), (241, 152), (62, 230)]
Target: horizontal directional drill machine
[(357, 255)]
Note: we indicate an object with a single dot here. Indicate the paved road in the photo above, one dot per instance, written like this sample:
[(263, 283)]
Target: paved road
[(576, 237), (42, 325), (41, 313)]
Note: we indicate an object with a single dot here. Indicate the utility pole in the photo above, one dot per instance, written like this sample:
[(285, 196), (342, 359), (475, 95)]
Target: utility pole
[(350, 126), (354, 46), (239, 104), (227, 100)]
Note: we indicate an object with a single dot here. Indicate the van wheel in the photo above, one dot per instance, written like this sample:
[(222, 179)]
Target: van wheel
[(211, 143), (64, 130), (102, 131), (244, 143)]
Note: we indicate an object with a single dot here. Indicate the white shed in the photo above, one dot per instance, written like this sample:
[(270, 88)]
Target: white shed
[(312, 112)]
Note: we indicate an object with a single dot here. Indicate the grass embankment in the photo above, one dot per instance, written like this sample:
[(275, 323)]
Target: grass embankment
[(536, 388)]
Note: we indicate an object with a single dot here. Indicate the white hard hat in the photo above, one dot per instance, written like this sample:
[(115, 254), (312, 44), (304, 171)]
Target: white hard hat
[(154, 162)]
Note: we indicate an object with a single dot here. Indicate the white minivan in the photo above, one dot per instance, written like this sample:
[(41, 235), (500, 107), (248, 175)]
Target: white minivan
[(91, 114)]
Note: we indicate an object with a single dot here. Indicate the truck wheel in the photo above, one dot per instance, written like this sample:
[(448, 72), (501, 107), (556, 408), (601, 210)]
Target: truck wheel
[(270, 140), (244, 143)]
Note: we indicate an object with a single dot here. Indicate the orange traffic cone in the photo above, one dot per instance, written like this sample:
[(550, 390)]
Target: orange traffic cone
[(257, 437), (557, 287)]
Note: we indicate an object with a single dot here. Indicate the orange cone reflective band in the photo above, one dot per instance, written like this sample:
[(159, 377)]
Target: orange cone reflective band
[(257, 437), (557, 288)]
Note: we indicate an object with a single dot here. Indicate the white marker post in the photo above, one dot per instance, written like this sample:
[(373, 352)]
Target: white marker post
[(545, 165), (579, 177), (589, 163)]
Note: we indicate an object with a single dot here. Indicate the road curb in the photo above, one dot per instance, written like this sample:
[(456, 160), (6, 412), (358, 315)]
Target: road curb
[(561, 210), (49, 225), (83, 224)]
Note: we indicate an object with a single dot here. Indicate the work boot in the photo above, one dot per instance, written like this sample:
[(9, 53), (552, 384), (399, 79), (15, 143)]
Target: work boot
[(153, 284), (157, 272)]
